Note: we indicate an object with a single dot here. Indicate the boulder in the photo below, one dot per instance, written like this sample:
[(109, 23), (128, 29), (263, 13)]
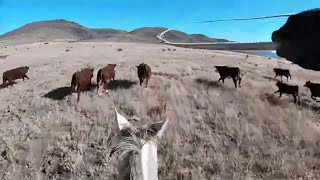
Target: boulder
[(298, 40)]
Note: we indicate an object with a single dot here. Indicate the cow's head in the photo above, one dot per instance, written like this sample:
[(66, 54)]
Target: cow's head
[(278, 83), (217, 68), (307, 84)]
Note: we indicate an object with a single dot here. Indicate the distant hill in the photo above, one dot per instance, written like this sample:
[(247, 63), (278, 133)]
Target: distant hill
[(65, 30), (204, 38)]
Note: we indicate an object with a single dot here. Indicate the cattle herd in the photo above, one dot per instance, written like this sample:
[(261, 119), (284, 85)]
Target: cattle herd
[(81, 80)]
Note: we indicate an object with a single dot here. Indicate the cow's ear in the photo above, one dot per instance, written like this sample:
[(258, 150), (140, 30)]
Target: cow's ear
[(137, 66)]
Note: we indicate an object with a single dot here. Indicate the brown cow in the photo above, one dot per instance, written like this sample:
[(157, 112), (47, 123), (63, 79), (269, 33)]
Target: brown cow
[(314, 88), (13, 74), (81, 81), (288, 89), (226, 71), (282, 72), (144, 72), (105, 75)]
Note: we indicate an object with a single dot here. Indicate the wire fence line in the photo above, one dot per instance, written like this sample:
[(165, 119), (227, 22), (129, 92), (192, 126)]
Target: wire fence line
[(161, 35)]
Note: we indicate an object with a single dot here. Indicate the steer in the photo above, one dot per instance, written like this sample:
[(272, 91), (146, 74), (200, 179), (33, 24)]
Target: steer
[(226, 71), (288, 89), (105, 75), (314, 88), (13, 74), (81, 81), (282, 72), (144, 73)]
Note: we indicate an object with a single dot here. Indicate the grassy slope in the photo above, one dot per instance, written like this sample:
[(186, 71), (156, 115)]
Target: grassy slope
[(215, 131)]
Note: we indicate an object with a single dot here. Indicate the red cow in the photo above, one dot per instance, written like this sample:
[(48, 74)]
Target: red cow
[(81, 81), (105, 75), (13, 74)]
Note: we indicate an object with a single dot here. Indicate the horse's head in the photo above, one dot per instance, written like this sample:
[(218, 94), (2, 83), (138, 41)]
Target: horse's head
[(142, 149)]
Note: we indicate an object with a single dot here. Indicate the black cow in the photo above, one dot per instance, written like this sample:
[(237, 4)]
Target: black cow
[(288, 89), (314, 88), (226, 71), (282, 72), (144, 72)]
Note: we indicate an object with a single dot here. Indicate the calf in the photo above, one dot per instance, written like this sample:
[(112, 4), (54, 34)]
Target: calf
[(233, 72), (13, 74), (105, 75), (288, 89), (314, 88), (81, 81), (144, 73), (282, 72)]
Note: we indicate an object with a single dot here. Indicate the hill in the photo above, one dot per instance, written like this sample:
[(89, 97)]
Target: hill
[(71, 31)]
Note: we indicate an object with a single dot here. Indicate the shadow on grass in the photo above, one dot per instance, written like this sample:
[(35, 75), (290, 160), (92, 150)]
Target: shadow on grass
[(208, 83), (121, 84), (2, 86), (310, 104), (61, 92)]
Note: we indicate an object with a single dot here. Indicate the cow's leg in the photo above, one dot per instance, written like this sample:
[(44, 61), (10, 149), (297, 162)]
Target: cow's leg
[(295, 98), (10, 82), (281, 78), (78, 92), (275, 76), (78, 98), (98, 88), (26, 76), (223, 80), (287, 78), (147, 79), (220, 79), (280, 94), (4, 80), (106, 86), (141, 81), (234, 81)]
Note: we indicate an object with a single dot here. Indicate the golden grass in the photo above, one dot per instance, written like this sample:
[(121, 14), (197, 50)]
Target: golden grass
[(215, 131)]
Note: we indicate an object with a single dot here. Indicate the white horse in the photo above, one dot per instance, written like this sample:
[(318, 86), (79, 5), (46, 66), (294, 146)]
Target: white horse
[(136, 152)]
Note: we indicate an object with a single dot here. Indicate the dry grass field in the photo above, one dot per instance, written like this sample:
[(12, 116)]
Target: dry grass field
[(215, 131)]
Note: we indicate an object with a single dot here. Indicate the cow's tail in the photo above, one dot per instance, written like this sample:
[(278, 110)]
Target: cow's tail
[(4, 80), (98, 79), (239, 78), (73, 82)]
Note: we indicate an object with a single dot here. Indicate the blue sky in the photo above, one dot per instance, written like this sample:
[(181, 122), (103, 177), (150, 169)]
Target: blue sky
[(177, 14)]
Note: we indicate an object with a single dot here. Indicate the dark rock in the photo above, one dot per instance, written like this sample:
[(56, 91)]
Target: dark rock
[(298, 39)]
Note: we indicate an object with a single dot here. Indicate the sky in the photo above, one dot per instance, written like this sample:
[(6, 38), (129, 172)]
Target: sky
[(174, 14)]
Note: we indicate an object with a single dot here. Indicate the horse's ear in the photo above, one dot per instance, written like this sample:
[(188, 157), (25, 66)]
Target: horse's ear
[(163, 128), (159, 128), (121, 121)]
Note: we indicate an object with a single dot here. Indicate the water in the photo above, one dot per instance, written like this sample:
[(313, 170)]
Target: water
[(268, 54)]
